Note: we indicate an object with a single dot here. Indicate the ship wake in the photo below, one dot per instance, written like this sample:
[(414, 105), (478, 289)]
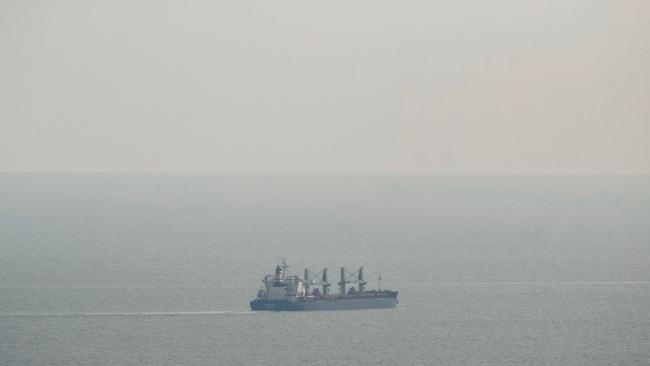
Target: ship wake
[(130, 314)]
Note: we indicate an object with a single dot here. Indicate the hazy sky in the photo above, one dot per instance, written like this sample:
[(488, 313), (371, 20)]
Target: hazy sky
[(325, 87)]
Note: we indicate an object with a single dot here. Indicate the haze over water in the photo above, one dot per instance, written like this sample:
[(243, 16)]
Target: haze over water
[(159, 269), (126, 261)]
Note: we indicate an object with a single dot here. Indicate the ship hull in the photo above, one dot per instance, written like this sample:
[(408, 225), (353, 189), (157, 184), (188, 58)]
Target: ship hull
[(324, 304)]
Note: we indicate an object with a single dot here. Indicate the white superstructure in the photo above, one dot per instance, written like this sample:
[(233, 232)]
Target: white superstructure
[(281, 286)]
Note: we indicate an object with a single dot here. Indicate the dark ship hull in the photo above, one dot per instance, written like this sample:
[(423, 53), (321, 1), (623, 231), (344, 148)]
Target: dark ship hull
[(382, 301)]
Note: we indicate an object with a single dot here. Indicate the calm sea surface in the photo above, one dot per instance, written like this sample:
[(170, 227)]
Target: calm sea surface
[(159, 269)]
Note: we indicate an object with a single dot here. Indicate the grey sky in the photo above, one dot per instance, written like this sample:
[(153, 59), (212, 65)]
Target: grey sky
[(325, 87)]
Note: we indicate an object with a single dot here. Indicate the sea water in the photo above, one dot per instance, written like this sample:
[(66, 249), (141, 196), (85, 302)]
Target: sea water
[(101, 269)]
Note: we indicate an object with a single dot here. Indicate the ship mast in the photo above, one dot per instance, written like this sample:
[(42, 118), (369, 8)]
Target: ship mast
[(284, 267)]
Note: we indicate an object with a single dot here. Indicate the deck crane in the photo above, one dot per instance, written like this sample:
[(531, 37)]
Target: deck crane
[(316, 279), (349, 277)]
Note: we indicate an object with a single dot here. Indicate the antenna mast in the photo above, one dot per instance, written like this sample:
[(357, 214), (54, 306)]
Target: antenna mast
[(284, 267)]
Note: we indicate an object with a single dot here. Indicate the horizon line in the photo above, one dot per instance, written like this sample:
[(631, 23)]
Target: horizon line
[(146, 173)]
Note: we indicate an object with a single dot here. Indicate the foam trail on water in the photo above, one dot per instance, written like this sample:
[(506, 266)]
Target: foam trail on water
[(143, 313)]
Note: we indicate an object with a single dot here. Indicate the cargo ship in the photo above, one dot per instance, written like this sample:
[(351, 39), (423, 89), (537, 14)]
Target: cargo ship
[(284, 292)]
